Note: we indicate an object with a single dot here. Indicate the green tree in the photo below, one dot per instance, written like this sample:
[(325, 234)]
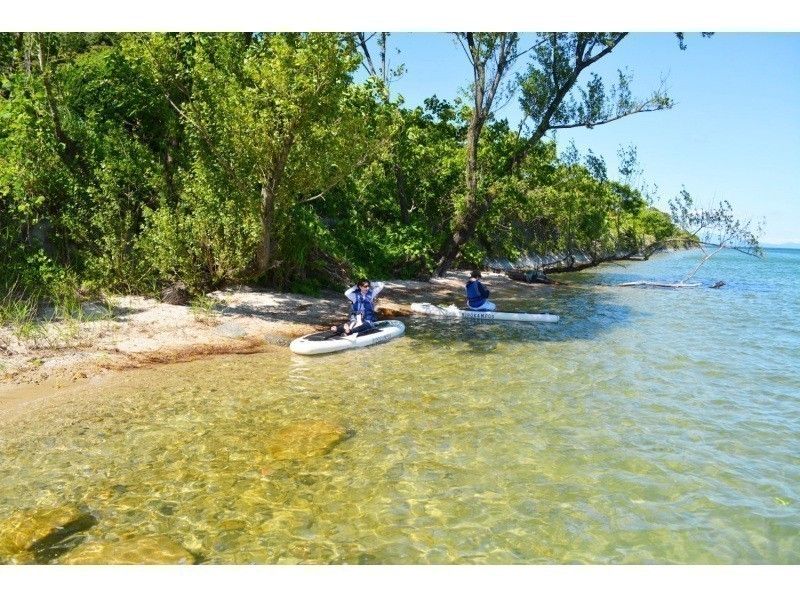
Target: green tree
[(274, 122), (550, 99)]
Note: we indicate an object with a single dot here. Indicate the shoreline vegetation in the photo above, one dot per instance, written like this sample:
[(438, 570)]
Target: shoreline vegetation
[(138, 167), (132, 163)]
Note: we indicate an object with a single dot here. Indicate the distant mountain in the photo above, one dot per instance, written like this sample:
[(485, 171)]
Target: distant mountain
[(780, 245)]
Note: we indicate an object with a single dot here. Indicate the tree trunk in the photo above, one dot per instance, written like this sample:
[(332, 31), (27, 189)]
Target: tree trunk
[(264, 252), (706, 257), (269, 194), (450, 251), (462, 234), (465, 226), (70, 151), (483, 97)]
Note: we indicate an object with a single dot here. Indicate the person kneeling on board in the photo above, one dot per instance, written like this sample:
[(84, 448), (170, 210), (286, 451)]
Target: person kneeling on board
[(362, 313), (477, 294)]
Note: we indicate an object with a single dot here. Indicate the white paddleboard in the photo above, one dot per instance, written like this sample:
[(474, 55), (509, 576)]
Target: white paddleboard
[(451, 311), (323, 342)]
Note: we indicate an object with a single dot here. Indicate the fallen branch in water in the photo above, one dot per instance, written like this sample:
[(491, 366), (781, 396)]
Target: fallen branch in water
[(719, 230), (668, 285)]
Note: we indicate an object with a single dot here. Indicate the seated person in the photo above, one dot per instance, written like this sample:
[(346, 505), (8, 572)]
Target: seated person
[(362, 312), (477, 294)]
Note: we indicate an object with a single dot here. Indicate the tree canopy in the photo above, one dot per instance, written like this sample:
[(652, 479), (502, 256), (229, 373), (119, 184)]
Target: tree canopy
[(130, 161)]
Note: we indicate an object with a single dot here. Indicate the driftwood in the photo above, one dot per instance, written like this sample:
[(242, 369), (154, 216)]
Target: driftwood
[(571, 265), (671, 285), (530, 276), (567, 264), (665, 285)]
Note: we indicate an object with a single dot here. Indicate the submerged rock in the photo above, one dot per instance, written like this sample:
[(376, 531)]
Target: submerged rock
[(306, 439), (150, 550), (42, 534)]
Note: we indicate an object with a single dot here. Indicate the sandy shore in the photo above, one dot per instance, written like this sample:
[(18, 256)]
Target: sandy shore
[(131, 332)]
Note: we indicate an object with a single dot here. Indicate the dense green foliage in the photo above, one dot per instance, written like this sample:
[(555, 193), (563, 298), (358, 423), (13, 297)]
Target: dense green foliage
[(131, 161)]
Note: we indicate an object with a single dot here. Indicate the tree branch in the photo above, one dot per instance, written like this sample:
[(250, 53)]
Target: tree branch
[(590, 124), (363, 43), (460, 40), (514, 57), (498, 75), (605, 51), (342, 176)]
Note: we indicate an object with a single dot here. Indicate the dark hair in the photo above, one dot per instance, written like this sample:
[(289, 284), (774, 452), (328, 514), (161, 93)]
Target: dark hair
[(363, 281), (475, 274)]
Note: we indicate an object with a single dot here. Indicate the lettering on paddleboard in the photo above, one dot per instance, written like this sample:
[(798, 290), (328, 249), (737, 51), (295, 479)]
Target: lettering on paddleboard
[(383, 339), (480, 315)]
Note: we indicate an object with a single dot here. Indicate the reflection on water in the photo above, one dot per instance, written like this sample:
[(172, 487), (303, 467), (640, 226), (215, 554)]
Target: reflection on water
[(647, 426)]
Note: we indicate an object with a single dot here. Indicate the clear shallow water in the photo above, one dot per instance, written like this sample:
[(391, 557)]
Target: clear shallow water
[(648, 426)]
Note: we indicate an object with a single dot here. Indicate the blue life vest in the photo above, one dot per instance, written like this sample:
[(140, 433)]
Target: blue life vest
[(476, 293), (363, 305)]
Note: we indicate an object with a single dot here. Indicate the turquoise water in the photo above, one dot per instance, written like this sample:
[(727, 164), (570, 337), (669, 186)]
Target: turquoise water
[(648, 426)]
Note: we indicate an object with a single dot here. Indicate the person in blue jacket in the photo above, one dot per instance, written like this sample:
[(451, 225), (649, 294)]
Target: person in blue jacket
[(477, 294), (362, 312)]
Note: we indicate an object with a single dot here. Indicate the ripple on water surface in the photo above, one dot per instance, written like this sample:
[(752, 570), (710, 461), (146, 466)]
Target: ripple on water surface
[(623, 434)]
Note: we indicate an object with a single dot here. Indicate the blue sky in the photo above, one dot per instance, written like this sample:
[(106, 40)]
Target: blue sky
[(734, 133)]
